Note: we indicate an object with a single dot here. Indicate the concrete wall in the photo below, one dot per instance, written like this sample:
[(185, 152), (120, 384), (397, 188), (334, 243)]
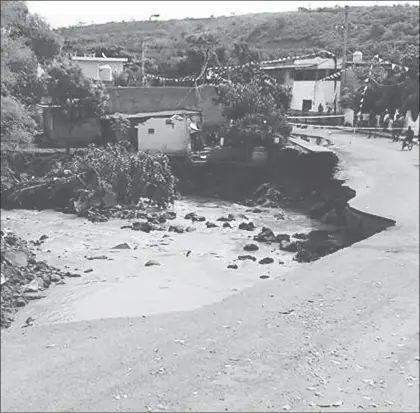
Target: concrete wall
[(59, 131), (318, 92), (167, 138), (153, 99)]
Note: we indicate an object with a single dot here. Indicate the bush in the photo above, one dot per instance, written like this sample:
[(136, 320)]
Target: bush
[(128, 173), (17, 126)]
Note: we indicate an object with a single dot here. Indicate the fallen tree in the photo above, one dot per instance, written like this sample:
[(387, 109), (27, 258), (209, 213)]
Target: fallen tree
[(95, 176)]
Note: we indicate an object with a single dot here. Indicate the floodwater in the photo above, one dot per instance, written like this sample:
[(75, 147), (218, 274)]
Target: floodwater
[(121, 286)]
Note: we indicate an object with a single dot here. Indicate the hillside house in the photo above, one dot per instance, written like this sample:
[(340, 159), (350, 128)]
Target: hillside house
[(100, 68), (168, 131), (310, 82)]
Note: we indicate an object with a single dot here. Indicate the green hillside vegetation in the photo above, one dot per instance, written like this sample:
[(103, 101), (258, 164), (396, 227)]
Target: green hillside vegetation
[(380, 29)]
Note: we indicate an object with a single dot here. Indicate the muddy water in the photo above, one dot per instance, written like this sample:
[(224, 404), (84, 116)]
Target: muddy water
[(122, 286)]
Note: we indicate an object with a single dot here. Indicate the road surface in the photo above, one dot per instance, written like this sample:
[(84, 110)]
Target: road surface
[(340, 334)]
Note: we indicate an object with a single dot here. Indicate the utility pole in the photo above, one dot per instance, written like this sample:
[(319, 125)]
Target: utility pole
[(143, 79), (346, 35)]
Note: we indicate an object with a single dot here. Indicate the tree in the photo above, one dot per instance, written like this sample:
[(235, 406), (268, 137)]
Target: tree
[(78, 96), (255, 106)]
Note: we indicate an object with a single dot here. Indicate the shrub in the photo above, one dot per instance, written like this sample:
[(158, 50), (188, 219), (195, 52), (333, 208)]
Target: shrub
[(17, 126)]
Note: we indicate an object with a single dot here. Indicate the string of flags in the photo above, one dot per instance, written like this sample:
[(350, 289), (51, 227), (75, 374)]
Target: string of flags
[(334, 76), (365, 88), (219, 73), (394, 66)]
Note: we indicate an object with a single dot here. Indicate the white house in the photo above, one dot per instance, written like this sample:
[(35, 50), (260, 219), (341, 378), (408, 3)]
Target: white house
[(167, 131), (100, 68), (310, 81)]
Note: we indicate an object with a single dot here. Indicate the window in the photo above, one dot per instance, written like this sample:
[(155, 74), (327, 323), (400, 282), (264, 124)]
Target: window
[(169, 122), (151, 131), (306, 105)]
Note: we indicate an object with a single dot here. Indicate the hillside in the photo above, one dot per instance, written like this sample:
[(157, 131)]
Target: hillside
[(380, 29)]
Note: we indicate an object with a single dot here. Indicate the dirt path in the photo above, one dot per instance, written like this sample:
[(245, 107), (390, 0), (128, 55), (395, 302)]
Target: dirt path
[(341, 334)]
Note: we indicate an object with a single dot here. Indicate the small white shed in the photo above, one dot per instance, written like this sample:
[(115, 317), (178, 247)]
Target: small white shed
[(168, 132)]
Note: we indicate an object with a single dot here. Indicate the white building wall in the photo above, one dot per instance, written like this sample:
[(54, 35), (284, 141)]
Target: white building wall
[(318, 92), (90, 69), (169, 139)]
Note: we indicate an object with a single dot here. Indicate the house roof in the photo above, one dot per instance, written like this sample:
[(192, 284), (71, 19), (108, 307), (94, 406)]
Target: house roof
[(99, 59), (161, 114), (280, 66)]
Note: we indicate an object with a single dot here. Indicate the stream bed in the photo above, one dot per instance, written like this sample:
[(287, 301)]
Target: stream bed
[(193, 266)]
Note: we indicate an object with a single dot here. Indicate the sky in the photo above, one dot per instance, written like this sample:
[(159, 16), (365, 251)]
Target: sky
[(67, 13)]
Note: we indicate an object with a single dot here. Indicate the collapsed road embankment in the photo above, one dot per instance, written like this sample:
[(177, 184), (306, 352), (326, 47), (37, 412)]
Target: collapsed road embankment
[(304, 182)]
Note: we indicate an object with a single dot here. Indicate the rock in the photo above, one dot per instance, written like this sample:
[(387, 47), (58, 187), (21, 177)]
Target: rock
[(43, 237), (257, 211), (264, 277), (161, 219), (229, 218), (88, 270), (289, 246), (251, 247), (280, 215), (123, 246), (211, 225), (16, 258), (141, 226), (46, 278), (55, 277), (34, 296), (300, 235), (282, 237), (281, 262), (242, 216), (190, 229), (227, 225), (69, 274), (246, 257), (266, 260), (176, 228), (247, 226), (170, 215), (20, 302), (233, 266), (266, 235), (151, 263), (97, 257), (32, 287), (194, 217)]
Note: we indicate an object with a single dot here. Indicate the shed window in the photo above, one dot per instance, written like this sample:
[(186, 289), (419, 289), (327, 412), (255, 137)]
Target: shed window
[(151, 131)]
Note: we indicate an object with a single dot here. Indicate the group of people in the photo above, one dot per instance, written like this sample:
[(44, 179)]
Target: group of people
[(386, 122)]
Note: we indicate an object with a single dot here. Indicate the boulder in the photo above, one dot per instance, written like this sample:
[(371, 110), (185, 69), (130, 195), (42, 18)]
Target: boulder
[(247, 257), (123, 246), (266, 260), (266, 235), (211, 224), (227, 225), (247, 226), (190, 229), (282, 237), (16, 258), (151, 263), (141, 226), (289, 246), (251, 247), (232, 266), (176, 228), (300, 235), (170, 215)]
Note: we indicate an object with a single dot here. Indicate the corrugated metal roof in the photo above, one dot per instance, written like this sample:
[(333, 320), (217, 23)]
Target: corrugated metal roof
[(161, 114)]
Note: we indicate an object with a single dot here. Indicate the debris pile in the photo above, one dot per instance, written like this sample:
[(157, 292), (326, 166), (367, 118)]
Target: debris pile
[(269, 196), (91, 179), (23, 278)]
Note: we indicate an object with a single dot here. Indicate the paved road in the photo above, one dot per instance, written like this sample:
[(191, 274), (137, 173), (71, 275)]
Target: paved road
[(351, 342)]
